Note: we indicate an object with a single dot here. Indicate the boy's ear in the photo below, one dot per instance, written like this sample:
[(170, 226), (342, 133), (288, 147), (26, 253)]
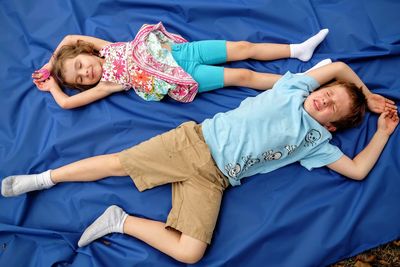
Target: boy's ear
[(329, 126)]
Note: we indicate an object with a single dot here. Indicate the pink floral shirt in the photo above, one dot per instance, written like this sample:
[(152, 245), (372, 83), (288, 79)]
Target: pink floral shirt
[(147, 67)]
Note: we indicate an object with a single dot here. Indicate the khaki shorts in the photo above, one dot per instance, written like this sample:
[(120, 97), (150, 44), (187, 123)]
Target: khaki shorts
[(180, 157)]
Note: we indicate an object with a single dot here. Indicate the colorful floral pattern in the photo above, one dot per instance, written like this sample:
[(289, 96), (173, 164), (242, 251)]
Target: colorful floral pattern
[(146, 66)]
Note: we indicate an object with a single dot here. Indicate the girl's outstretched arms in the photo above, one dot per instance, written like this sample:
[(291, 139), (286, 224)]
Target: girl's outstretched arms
[(65, 101)]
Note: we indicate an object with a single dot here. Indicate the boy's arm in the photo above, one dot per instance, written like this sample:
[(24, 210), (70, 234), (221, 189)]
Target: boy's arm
[(359, 167), (342, 72), (81, 99)]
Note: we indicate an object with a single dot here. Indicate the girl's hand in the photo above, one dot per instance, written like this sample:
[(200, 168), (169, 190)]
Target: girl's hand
[(46, 85), (378, 104), (43, 73), (388, 121)]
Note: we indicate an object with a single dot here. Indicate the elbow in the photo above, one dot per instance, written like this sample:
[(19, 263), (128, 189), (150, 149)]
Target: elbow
[(358, 176), (340, 65), (65, 105), (68, 38)]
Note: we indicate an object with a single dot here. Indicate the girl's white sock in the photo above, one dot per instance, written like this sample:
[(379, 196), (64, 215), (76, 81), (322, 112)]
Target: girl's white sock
[(19, 184), (305, 50), (316, 66), (111, 221), (320, 64)]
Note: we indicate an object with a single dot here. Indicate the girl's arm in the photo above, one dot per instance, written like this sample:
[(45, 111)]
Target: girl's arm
[(65, 101), (342, 72), (359, 167)]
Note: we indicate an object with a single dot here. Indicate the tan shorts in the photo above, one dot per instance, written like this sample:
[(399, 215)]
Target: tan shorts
[(180, 157)]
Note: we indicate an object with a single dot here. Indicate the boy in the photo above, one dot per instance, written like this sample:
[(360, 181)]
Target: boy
[(276, 128)]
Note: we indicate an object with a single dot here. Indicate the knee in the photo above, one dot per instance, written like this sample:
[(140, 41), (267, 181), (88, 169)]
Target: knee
[(116, 166), (244, 76), (244, 46)]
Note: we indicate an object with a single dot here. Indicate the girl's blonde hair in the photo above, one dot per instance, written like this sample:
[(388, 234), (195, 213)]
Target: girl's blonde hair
[(69, 52)]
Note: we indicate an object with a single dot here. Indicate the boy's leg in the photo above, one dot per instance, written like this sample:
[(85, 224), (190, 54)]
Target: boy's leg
[(85, 170), (169, 241), (268, 51), (89, 169)]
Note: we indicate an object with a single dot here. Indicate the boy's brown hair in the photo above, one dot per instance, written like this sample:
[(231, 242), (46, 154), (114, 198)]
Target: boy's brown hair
[(69, 52), (357, 109)]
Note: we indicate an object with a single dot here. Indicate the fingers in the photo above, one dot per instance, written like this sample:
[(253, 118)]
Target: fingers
[(37, 76), (388, 101), (392, 114), (41, 75)]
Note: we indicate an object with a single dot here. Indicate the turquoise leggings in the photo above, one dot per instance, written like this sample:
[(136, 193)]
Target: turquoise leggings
[(198, 58)]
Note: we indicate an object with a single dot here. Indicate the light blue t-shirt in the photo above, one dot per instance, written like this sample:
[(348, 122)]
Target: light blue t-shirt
[(270, 131)]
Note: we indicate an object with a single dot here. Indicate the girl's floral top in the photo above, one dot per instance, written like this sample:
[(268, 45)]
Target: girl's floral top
[(147, 67)]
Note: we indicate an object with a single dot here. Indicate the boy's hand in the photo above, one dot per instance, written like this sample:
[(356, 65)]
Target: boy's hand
[(388, 121), (45, 85), (378, 104)]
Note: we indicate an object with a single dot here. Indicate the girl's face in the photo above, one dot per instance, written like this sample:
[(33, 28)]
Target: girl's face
[(83, 69)]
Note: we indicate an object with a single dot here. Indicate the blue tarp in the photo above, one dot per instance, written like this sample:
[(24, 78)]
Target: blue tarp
[(290, 217)]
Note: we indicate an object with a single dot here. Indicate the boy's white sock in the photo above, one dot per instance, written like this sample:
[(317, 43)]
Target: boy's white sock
[(19, 184), (111, 221), (305, 50)]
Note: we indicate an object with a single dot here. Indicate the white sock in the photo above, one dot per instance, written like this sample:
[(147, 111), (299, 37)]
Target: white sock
[(111, 221), (305, 50), (320, 64), (19, 184), (316, 66)]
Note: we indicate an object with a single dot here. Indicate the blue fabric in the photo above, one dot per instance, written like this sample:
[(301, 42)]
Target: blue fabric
[(270, 131), (288, 217)]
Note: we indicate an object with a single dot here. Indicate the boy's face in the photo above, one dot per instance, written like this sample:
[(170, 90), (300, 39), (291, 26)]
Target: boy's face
[(83, 69), (328, 105)]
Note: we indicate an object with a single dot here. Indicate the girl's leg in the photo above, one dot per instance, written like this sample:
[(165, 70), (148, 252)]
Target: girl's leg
[(85, 170), (169, 241), (249, 78), (260, 51), (266, 51)]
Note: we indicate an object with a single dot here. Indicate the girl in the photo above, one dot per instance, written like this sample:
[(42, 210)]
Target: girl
[(157, 63)]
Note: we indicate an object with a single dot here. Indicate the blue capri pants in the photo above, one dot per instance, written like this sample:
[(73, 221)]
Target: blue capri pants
[(198, 58)]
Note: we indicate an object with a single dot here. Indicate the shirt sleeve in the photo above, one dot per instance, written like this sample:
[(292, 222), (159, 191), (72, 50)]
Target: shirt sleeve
[(322, 155), (104, 50)]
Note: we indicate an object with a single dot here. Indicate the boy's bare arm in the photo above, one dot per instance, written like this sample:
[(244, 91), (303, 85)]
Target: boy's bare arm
[(337, 71), (359, 167), (342, 72)]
